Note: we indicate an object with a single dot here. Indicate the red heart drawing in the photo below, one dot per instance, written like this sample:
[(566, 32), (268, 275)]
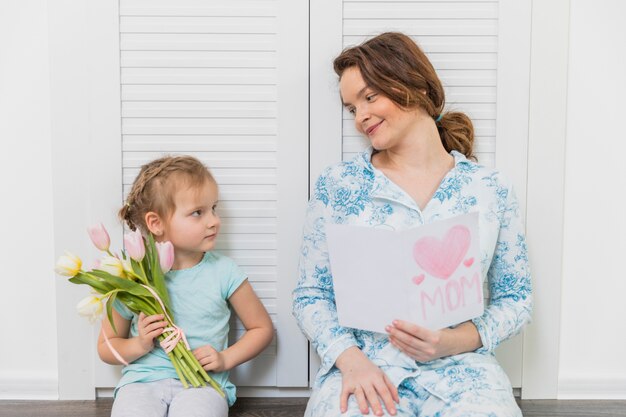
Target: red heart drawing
[(419, 279), (468, 262), (440, 258)]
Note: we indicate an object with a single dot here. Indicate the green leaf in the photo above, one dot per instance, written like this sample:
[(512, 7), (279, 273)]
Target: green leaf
[(109, 306), (158, 278), (100, 286)]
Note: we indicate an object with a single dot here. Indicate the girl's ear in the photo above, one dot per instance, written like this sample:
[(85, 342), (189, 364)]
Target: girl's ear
[(154, 223)]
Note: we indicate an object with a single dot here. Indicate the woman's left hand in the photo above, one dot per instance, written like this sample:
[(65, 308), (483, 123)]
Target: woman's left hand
[(210, 359), (419, 343)]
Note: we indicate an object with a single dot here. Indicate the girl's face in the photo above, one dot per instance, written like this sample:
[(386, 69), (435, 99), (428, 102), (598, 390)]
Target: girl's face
[(194, 225), (377, 117)]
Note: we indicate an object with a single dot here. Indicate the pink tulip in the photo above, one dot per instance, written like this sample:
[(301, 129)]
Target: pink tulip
[(166, 255), (133, 242), (99, 236)]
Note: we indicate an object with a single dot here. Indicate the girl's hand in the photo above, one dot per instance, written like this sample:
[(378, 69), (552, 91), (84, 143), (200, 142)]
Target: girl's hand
[(210, 359), (148, 328), (419, 343), (367, 382)]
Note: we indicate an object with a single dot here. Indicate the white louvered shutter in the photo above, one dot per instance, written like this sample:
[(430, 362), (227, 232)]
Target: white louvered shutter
[(202, 78), (460, 37)]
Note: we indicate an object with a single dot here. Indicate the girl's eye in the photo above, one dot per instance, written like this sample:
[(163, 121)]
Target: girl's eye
[(214, 208), (197, 213)]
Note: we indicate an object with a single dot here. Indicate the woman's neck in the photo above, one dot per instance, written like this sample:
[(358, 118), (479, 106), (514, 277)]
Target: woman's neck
[(421, 151)]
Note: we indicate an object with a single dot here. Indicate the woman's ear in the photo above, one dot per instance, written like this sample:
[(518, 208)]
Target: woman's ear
[(154, 223)]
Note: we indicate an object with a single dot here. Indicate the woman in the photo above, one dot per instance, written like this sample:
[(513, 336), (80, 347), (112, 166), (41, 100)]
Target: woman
[(417, 170)]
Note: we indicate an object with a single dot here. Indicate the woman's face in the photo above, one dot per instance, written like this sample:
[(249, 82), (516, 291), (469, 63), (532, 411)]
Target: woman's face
[(377, 117)]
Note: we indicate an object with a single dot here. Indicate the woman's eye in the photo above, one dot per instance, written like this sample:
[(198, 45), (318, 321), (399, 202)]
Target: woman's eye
[(371, 97), (352, 110)]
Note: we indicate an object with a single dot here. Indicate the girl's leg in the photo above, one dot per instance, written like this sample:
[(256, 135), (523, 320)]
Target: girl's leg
[(197, 402), (142, 399)]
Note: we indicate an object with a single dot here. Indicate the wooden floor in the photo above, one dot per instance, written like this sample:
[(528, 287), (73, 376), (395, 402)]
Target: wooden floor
[(294, 407)]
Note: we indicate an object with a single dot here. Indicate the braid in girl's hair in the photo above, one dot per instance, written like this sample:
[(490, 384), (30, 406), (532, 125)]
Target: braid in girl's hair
[(154, 188)]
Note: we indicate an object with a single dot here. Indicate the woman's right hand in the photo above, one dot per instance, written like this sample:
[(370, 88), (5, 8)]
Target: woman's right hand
[(367, 382), (148, 328)]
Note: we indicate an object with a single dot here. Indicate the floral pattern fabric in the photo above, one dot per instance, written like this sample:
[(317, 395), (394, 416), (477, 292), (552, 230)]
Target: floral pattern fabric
[(356, 193)]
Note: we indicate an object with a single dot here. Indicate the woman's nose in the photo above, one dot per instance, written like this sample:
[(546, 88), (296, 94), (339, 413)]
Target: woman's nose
[(361, 115)]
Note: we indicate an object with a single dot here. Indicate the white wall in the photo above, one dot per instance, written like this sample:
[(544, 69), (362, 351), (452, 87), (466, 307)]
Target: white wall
[(593, 333), (28, 358)]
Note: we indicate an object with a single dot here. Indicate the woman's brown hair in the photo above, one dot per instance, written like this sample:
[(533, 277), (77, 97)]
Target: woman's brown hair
[(392, 64), (156, 184)]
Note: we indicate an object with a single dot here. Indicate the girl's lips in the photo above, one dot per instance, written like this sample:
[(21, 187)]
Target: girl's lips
[(373, 128)]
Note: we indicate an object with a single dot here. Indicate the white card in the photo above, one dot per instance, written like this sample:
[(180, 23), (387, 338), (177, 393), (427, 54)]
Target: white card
[(429, 275)]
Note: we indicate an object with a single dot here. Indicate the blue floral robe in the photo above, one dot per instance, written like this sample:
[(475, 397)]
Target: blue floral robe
[(469, 384)]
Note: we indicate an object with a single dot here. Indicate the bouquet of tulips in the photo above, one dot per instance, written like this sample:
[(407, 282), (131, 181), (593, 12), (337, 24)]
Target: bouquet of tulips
[(137, 279)]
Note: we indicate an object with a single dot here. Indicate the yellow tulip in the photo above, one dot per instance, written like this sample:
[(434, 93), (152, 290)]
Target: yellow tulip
[(113, 266), (68, 265), (90, 307)]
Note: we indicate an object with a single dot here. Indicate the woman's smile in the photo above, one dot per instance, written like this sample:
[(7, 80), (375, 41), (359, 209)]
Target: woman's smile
[(370, 130)]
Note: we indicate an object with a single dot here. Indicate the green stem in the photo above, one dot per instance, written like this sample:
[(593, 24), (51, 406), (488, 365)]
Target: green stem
[(178, 369)]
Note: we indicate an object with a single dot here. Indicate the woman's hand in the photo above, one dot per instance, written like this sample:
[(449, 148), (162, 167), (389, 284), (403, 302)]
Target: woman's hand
[(210, 359), (367, 382), (425, 345), (148, 328)]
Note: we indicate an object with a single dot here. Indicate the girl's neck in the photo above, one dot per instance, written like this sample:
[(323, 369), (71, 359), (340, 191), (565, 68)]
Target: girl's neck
[(184, 260)]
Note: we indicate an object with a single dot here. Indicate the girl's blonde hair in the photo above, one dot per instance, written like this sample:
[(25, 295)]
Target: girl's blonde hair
[(156, 184), (393, 65)]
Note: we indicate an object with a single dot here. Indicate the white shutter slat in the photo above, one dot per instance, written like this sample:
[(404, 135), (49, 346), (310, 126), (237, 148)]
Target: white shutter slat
[(419, 27), (199, 143), (200, 25), (214, 93), (232, 8), (421, 1), (197, 59), (198, 42), (444, 43), (198, 126), (195, 76), (210, 159), (204, 109), (421, 10)]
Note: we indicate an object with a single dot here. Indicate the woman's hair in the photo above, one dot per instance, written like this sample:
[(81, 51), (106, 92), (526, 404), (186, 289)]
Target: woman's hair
[(156, 184), (393, 65)]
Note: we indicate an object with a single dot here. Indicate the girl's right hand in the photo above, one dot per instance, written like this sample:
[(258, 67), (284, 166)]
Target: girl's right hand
[(148, 328), (367, 382)]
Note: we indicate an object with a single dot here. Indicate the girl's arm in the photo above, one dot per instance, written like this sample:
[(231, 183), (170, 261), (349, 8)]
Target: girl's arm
[(132, 348), (259, 333)]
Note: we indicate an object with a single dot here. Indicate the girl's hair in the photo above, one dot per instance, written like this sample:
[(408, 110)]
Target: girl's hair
[(156, 184), (393, 65)]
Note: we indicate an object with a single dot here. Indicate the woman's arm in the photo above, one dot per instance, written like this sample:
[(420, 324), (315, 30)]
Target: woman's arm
[(314, 298), (259, 333), (132, 348), (316, 313), (510, 289)]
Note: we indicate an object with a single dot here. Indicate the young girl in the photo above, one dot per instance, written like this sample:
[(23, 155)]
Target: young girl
[(175, 198)]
